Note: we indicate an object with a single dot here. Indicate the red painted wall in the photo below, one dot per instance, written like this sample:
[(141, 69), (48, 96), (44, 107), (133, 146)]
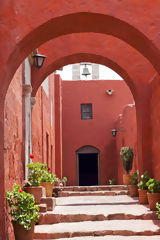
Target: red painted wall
[(14, 172), (13, 131), (96, 132), (126, 136), (58, 126), (42, 128), (155, 119)]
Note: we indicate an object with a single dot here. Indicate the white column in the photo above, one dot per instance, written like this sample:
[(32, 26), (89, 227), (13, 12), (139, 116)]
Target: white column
[(27, 89)]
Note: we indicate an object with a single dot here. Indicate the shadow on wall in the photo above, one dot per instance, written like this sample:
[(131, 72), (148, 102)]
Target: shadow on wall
[(111, 161)]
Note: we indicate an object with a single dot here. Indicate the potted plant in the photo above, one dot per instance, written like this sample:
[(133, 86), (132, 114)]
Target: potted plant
[(64, 181), (133, 188), (57, 181), (47, 179), (35, 172), (153, 193), (23, 211), (112, 181), (126, 155), (158, 209), (143, 188)]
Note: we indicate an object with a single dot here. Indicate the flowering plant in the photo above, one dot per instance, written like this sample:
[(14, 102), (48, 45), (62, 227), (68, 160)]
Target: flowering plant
[(31, 156), (22, 207), (36, 170), (47, 176)]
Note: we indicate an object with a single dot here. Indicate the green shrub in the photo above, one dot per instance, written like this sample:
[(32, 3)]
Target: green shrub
[(47, 177), (112, 181), (158, 209), (153, 185), (56, 179), (64, 179), (134, 178), (22, 207), (143, 183), (126, 155), (35, 172)]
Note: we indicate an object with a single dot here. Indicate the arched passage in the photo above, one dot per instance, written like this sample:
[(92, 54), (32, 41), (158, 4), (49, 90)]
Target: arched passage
[(29, 37), (141, 99), (120, 59), (121, 54), (83, 22), (87, 166)]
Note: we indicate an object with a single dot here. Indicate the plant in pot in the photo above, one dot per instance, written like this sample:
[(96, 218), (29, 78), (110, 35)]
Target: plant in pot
[(133, 188), (64, 181), (126, 155), (35, 172), (47, 179), (57, 181), (143, 188), (112, 181), (153, 193), (158, 209), (23, 211)]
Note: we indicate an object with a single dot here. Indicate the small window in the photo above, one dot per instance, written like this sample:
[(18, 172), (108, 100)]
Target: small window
[(86, 111)]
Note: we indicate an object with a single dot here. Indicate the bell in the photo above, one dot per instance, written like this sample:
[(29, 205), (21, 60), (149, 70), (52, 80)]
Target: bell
[(86, 71)]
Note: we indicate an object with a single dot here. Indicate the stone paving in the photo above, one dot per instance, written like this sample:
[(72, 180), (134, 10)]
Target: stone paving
[(98, 217)]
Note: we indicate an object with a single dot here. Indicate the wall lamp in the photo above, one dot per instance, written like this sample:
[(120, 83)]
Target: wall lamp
[(38, 59), (109, 92), (114, 132)]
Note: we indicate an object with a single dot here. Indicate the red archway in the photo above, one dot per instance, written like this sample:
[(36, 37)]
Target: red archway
[(20, 34), (135, 74)]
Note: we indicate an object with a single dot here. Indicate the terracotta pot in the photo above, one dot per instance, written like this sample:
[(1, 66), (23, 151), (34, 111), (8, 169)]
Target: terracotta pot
[(133, 190), (49, 188), (38, 193), (143, 196), (21, 233), (126, 179), (153, 198)]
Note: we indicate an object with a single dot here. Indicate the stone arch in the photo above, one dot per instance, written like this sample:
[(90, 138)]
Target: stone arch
[(141, 98), (87, 149), (85, 22), (30, 37)]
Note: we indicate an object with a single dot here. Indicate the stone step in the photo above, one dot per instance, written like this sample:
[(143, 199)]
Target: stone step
[(57, 218), (50, 218), (89, 208), (50, 202), (95, 188), (98, 228), (42, 207), (116, 237), (92, 193)]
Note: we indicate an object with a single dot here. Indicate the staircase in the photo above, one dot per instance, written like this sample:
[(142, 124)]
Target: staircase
[(97, 212)]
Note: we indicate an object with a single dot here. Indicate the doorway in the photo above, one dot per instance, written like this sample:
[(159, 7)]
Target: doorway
[(87, 166)]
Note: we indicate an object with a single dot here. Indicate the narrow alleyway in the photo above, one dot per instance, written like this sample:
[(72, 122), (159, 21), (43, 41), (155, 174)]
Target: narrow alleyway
[(100, 213)]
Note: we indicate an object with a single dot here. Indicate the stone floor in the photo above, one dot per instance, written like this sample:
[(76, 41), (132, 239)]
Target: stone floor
[(98, 217)]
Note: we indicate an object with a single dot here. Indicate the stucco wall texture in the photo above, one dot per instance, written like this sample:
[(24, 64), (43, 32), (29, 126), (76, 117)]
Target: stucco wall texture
[(96, 132), (43, 125), (155, 119), (13, 142), (126, 136)]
